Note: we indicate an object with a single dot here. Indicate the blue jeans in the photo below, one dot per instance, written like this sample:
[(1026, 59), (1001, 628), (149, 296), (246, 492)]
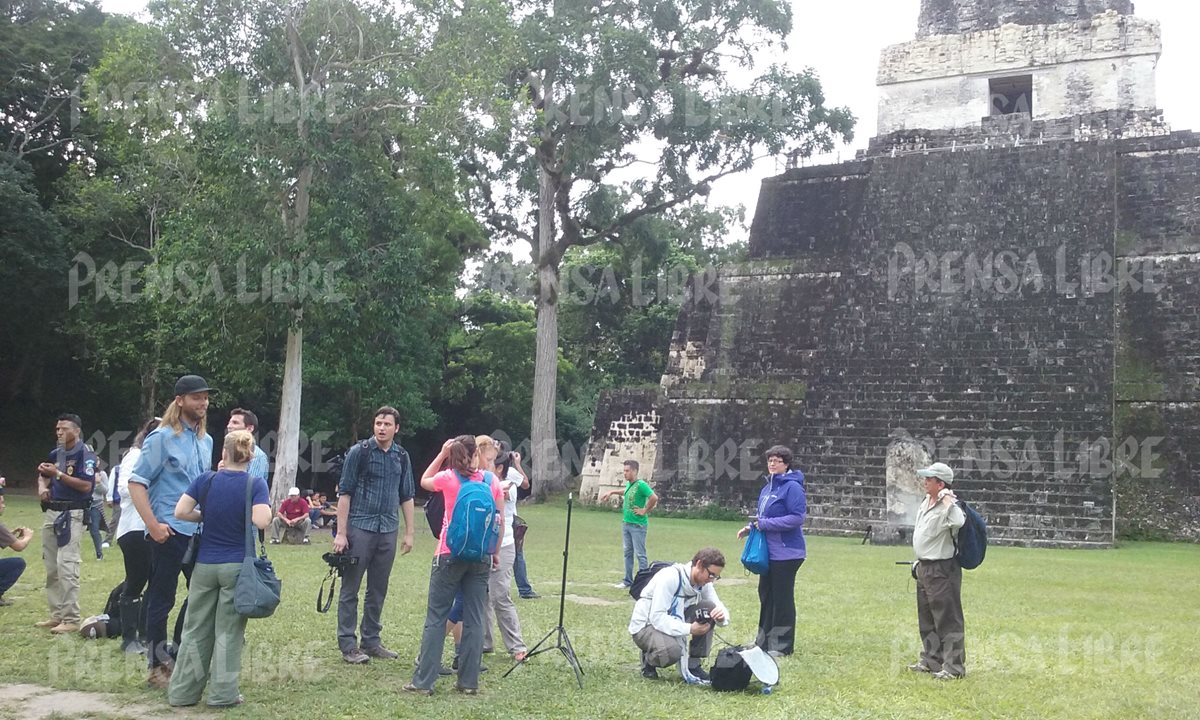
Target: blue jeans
[(523, 586), (633, 540), (10, 571), (95, 519)]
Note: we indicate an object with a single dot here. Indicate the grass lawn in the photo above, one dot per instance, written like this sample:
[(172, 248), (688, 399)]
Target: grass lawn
[(1051, 634)]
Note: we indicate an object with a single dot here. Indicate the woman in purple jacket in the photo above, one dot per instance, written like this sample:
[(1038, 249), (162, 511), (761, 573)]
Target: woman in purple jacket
[(781, 509)]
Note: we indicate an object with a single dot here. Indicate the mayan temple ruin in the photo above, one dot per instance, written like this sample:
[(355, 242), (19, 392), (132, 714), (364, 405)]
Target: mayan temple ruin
[(1005, 280)]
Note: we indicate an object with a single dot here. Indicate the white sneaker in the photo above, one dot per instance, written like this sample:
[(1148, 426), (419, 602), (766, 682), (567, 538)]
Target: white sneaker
[(104, 546), (621, 585)]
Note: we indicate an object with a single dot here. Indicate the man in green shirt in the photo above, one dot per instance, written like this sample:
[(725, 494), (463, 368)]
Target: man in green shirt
[(639, 501)]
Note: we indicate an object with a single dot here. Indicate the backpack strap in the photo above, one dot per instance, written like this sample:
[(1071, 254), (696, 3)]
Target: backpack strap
[(364, 450)]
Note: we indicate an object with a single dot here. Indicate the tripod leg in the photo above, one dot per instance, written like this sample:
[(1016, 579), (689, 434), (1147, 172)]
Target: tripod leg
[(569, 653), (536, 649)]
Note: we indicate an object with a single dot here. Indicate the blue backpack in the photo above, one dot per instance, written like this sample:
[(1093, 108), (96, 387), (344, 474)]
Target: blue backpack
[(474, 528), (971, 544)]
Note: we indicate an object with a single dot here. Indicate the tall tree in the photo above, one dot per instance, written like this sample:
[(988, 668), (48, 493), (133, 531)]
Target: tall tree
[(46, 46), (323, 231), (623, 109)]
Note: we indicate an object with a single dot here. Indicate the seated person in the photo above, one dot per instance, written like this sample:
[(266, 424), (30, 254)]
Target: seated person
[(669, 616), (315, 502), (11, 567), (292, 519), (329, 513)]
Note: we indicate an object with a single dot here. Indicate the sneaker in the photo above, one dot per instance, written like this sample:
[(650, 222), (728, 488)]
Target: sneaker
[(105, 546), (274, 541), (946, 675), (305, 541), (65, 628), (355, 656), (240, 699), (445, 671), (99, 556), (465, 690), (409, 687), (700, 674), (379, 651), (649, 672), (919, 667), (621, 585), (531, 595)]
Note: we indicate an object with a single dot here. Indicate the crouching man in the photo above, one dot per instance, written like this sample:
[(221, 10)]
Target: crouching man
[(674, 617)]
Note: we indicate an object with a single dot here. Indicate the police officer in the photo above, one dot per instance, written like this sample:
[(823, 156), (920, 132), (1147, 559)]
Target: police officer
[(65, 483)]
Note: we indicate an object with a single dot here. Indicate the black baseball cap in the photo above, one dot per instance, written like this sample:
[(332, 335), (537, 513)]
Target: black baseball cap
[(189, 384)]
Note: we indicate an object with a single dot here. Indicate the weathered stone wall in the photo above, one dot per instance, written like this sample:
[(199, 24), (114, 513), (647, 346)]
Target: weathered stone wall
[(942, 81), (946, 17), (963, 307), (1021, 129), (830, 343), (1158, 378), (626, 428)]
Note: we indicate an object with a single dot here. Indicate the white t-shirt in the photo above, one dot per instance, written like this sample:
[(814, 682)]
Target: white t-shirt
[(130, 520), (512, 481)]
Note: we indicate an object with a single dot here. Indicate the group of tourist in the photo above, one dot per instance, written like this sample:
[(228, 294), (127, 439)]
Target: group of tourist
[(167, 491)]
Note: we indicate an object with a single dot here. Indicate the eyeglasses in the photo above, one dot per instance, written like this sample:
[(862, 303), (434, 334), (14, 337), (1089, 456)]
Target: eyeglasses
[(712, 575)]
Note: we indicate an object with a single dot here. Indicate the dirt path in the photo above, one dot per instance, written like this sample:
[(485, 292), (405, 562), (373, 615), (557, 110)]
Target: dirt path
[(34, 702)]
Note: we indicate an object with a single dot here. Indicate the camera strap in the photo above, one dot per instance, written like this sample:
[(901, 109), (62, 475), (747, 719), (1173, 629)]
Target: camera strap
[(325, 601)]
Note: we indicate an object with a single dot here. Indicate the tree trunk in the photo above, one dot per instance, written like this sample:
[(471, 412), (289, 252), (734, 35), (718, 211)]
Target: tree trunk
[(287, 449), (547, 466)]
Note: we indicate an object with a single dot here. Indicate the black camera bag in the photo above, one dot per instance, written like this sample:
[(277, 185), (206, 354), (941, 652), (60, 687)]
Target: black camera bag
[(730, 672)]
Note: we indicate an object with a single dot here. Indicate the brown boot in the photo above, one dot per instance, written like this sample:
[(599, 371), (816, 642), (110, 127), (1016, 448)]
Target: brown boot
[(160, 677), (64, 628), (47, 624)]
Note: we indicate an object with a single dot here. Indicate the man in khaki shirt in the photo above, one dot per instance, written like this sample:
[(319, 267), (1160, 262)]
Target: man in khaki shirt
[(939, 577)]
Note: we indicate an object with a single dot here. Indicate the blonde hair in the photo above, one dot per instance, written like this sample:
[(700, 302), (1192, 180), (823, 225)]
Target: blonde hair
[(239, 446), (173, 418)]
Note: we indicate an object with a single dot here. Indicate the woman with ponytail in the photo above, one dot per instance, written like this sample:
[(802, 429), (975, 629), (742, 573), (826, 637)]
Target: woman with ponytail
[(451, 575)]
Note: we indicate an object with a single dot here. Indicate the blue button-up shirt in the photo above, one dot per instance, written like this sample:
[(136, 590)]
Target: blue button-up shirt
[(259, 466), (168, 464), (385, 483)]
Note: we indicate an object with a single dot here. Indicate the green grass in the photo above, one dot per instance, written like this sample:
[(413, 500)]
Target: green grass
[(1051, 634)]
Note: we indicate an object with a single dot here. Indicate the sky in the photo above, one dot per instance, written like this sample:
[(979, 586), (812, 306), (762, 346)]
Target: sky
[(842, 40)]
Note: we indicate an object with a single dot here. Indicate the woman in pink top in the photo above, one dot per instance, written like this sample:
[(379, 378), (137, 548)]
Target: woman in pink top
[(450, 576)]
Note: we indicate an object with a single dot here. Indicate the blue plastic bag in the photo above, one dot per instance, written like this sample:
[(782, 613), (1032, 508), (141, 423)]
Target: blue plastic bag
[(754, 554)]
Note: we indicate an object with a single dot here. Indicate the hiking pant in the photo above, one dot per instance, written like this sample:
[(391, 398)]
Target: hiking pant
[(446, 579), (940, 615), (62, 566), (662, 650), (500, 605), (376, 552)]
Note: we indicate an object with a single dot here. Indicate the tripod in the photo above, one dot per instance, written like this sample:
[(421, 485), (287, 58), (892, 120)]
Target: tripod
[(562, 641)]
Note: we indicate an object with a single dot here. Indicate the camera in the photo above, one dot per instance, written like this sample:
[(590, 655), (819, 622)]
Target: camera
[(339, 562), (704, 616)]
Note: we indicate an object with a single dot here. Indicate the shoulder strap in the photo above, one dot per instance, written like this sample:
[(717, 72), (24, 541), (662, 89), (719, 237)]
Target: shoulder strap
[(364, 450), (249, 516)]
